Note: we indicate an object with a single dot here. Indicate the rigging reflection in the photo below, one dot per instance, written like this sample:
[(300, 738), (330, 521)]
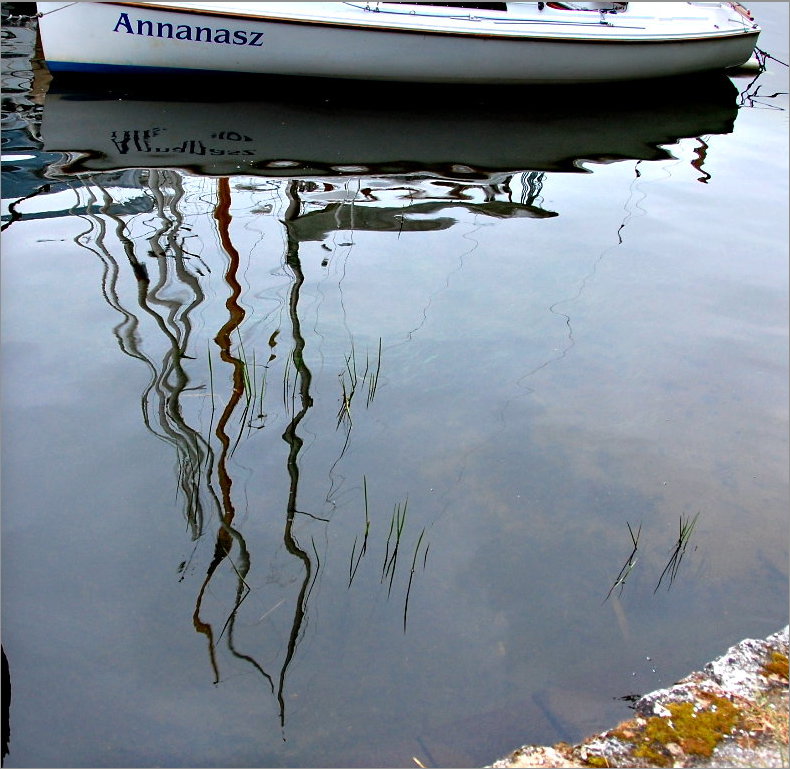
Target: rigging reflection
[(170, 299), (169, 380), (160, 253)]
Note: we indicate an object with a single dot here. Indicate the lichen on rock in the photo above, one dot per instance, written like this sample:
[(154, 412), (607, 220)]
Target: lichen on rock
[(734, 712)]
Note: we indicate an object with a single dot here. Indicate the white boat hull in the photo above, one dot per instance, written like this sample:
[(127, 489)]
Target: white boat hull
[(344, 40)]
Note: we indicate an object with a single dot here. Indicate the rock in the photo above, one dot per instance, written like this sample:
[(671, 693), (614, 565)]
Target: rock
[(533, 755), (739, 672), (733, 712)]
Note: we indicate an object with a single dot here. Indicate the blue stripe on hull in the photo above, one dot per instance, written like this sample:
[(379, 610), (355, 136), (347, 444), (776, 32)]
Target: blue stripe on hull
[(128, 69)]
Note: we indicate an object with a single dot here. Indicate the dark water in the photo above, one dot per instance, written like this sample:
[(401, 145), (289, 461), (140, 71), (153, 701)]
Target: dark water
[(338, 461)]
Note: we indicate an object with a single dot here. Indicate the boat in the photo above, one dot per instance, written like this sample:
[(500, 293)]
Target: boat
[(331, 129), (508, 43)]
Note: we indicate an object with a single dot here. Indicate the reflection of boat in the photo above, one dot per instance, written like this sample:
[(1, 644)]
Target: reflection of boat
[(436, 42), (365, 130)]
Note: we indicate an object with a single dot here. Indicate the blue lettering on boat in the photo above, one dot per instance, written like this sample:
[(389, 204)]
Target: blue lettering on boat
[(165, 30)]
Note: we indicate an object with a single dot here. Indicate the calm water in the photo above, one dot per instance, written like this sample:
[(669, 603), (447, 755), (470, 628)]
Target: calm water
[(341, 461)]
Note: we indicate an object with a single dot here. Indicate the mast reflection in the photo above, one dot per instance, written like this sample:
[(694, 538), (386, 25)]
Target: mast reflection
[(292, 438), (227, 534), (147, 248)]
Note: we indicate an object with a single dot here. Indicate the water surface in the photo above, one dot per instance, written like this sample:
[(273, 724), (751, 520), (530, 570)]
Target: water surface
[(334, 453)]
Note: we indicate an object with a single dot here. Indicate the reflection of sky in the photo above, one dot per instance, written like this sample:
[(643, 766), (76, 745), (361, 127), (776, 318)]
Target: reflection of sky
[(521, 454), (541, 385)]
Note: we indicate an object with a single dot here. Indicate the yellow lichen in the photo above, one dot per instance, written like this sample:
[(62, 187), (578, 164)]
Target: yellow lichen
[(696, 732), (626, 731), (777, 665)]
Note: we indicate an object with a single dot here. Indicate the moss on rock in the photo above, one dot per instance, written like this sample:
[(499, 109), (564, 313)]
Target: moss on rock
[(734, 711)]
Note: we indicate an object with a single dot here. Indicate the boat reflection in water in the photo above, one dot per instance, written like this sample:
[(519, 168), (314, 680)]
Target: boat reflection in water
[(178, 252), (373, 129)]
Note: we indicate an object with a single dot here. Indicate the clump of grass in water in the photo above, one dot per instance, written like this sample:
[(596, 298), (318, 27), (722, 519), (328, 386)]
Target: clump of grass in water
[(272, 355), (354, 381), (252, 392), (354, 565), (248, 387), (628, 565), (347, 394), (255, 393), (685, 530), (394, 537), (411, 574), (374, 379), (397, 523)]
